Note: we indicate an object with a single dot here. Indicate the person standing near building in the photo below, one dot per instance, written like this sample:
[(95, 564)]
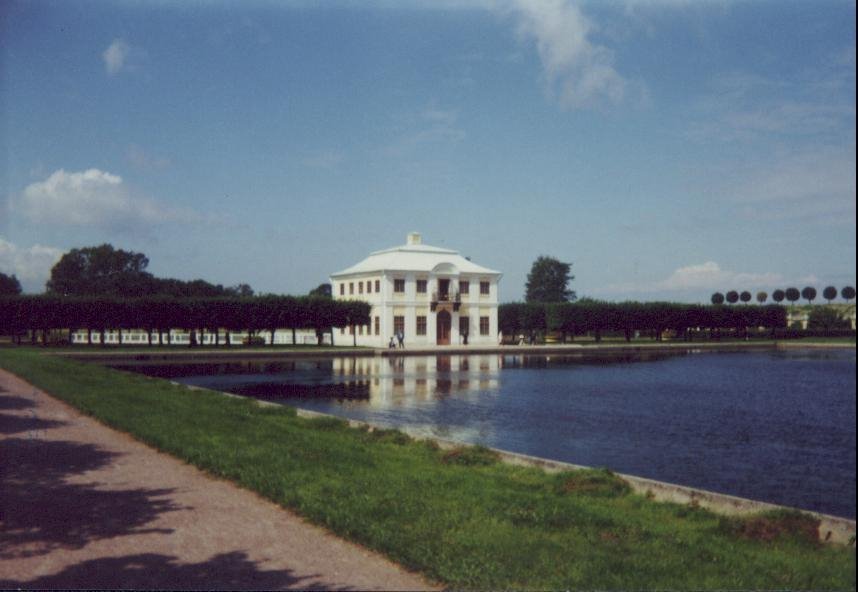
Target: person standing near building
[(401, 337)]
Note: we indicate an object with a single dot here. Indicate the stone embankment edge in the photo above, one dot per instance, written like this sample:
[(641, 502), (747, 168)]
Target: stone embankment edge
[(832, 529)]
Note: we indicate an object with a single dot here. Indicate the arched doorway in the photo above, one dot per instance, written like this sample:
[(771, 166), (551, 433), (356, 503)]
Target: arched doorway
[(444, 325)]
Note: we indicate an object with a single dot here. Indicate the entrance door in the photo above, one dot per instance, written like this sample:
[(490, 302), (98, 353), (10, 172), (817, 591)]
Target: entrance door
[(445, 322)]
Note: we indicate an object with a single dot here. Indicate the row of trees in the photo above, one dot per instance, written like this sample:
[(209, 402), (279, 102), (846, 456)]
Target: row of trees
[(627, 318), (24, 315), (790, 294)]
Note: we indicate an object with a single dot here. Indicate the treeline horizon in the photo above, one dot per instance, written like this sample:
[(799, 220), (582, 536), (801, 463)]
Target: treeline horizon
[(23, 314), (583, 317)]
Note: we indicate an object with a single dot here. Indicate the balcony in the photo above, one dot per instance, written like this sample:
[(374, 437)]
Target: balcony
[(445, 301)]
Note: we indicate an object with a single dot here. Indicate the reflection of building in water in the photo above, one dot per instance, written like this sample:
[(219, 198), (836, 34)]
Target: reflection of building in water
[(405, 380), (434, 296)]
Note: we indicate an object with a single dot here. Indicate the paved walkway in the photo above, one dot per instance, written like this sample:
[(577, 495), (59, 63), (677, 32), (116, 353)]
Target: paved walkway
[(84, 506)]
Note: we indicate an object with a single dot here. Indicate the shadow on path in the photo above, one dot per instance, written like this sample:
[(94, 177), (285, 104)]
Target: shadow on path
[(16, 424), (42, 512), (15, 402), (227, 571)]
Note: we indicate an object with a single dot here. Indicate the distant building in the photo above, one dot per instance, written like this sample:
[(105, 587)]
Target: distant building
[(434, 296)]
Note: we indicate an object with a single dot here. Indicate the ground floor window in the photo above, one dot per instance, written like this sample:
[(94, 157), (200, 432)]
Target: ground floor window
[(421, 325), (399, 324), (377, 325), (464, 325), (484, 325)]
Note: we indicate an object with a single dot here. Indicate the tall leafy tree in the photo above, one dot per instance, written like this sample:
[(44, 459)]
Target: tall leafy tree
[(100, 270), (717, 298), (9, 285), (808, 293), (548, 281), (732, 297), (829, 293), (778, 295), (745, 296), (848, 293), (762, 297)]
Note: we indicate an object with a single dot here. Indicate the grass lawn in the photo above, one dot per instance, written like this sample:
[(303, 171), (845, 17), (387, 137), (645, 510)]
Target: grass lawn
[(458, 516)]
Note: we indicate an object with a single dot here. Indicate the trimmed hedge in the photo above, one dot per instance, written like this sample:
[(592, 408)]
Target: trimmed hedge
[(22, 314)]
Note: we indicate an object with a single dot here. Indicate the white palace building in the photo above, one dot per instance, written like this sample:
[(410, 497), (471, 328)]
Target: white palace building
[(434, 296)]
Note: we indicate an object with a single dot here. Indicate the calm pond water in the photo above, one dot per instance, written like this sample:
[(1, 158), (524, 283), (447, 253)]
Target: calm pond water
[(776, 426)]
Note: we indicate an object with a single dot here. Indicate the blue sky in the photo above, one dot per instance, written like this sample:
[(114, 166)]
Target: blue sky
[(667, 149)]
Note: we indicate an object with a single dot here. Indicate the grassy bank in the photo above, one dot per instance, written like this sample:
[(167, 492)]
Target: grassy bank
[(458, 516)]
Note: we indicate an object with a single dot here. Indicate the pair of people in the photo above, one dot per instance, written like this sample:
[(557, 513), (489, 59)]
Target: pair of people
[(400, 338)]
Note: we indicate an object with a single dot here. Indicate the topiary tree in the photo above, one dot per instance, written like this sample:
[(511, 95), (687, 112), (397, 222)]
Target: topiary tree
[(778, 295), (847, 293), (762, 297), (732, 297), (808, 293), (745, 296), (792, 294), (829, 293), (717, 298)]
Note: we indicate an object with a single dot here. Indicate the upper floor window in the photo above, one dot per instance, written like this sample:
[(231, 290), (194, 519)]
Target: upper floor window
[(351, 287), (377, 286), (369, 287), (342, 289), (484, 288), (360, 287), (464, 287), (399, 285), (421, 286)]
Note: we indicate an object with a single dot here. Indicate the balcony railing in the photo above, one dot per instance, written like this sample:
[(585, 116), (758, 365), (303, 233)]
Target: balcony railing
[(445, 297)]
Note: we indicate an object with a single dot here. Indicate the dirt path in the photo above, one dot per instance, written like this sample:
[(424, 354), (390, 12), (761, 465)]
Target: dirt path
[(84, 506)]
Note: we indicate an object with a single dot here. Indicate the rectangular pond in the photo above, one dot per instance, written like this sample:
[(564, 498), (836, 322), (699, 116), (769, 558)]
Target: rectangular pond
[(775, 426)]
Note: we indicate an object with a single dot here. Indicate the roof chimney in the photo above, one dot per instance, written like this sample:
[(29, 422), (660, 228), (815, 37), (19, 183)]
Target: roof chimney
[(414, 238)]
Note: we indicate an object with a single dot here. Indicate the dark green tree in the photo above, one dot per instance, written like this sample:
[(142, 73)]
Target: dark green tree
[(762, 297), (717, 298), (808, 293), (323, 290), (792, 294), (732, 297), (9, 285), (778, 295), (745, 296), (829, 293), (826, 318), (100, 270), (847, 293), (548, 281)]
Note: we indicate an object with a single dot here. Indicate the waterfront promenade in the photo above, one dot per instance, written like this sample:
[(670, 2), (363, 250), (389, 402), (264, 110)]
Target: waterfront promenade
[(85, 506)]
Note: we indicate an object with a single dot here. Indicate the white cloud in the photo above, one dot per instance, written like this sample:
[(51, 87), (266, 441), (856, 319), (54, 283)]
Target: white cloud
[(115, 56), (90, 198), (578, 72), (32, 265), (708, 276)]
